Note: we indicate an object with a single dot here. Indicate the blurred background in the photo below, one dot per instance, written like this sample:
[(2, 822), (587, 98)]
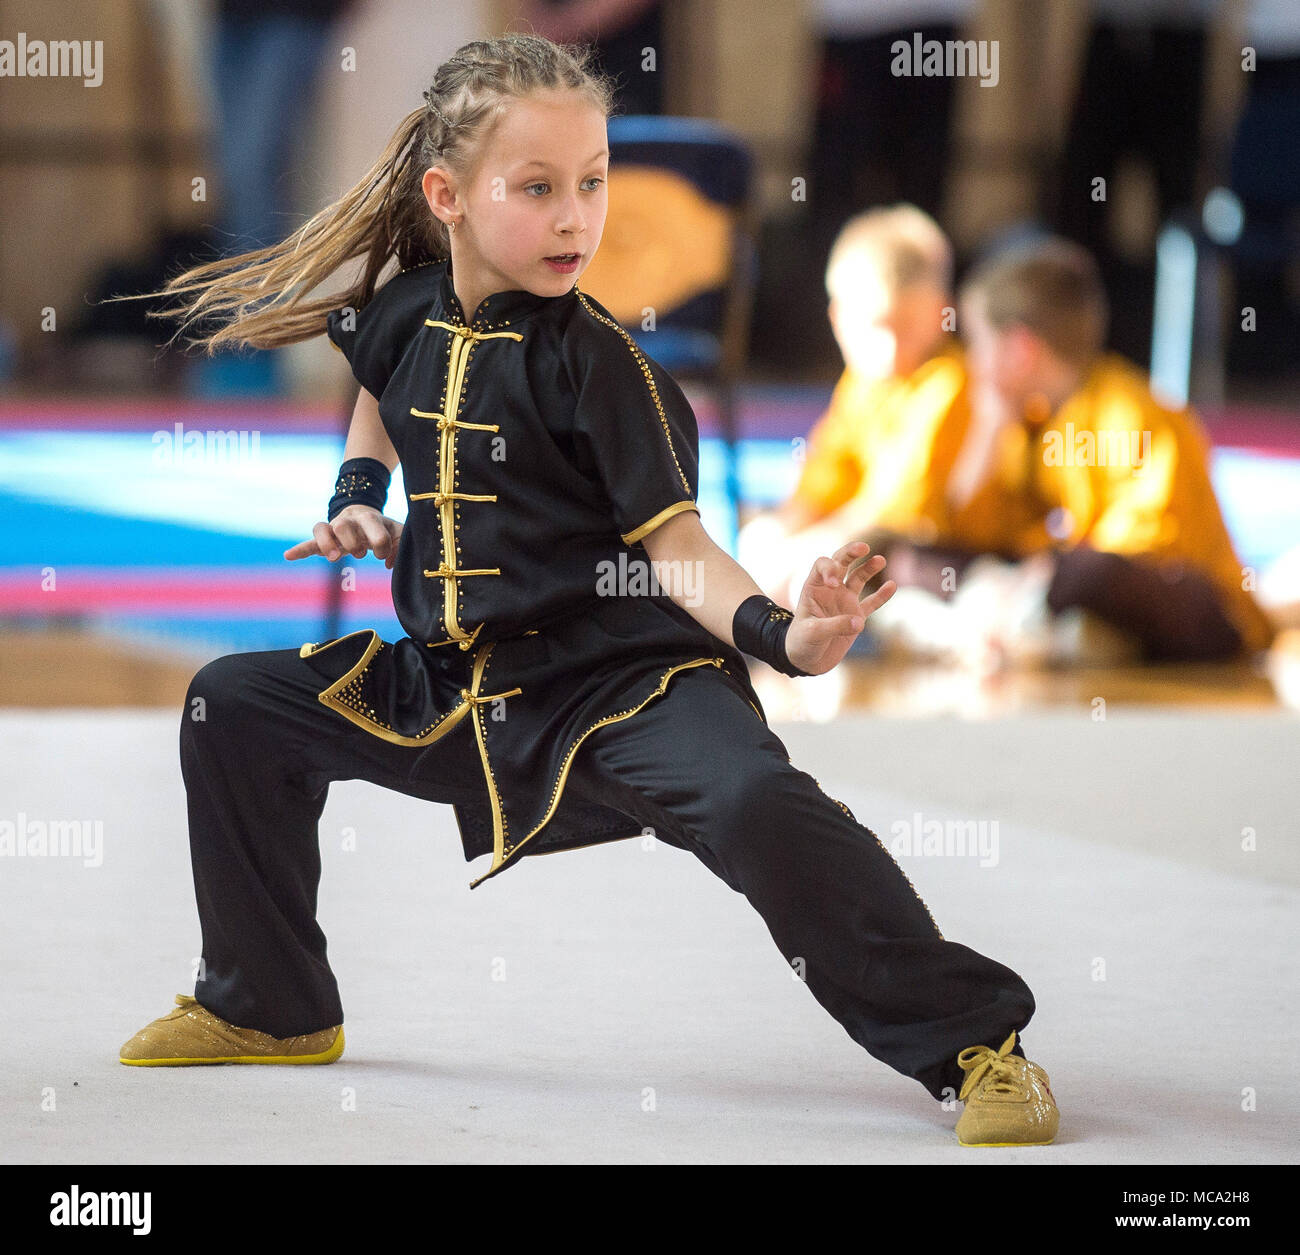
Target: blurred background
[(148, 495)]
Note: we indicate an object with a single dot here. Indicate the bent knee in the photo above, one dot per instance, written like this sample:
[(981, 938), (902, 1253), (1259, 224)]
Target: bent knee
[(218, 687)]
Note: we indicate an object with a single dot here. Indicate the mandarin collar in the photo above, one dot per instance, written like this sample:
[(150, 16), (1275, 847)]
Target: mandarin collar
[(499, 309)]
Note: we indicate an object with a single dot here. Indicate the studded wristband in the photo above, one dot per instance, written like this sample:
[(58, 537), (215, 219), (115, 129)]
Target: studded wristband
[(361, 481), (759, 628)]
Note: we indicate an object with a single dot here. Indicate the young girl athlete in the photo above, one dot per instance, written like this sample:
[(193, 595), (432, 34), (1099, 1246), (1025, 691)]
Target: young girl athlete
[(554, 706)]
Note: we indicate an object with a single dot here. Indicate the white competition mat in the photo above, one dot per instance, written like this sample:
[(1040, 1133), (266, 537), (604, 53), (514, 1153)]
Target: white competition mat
[(619, 1004)]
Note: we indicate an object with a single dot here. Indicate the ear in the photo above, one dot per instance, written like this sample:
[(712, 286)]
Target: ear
[(440, 193)]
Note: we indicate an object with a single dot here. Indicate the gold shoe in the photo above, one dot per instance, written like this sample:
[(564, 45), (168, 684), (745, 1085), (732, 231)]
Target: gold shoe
[(192, 1034), (1008, 1099)]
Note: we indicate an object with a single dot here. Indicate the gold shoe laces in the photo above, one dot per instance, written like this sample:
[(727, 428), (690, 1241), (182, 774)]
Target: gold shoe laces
[(980, 1061)]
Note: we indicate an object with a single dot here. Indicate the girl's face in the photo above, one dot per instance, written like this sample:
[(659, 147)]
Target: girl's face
[(539, 192)]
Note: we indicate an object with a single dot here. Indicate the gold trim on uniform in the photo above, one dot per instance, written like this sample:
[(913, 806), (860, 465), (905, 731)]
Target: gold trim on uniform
[(502, 850), (630, 538), (649, 379), (463, 341), (344, 695), (883, 847)]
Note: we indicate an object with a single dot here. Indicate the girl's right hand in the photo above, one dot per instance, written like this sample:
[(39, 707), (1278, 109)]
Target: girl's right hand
[(355, 529)]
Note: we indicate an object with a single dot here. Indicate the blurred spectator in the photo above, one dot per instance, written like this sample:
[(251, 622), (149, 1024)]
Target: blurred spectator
[(879, 136), (620, 30), (1138, 100), (869, 466), (1137, 539), (266, 57), (876, 138), (1265, 175)]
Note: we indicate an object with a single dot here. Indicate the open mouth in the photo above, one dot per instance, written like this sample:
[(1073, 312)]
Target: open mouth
[(563, 258)]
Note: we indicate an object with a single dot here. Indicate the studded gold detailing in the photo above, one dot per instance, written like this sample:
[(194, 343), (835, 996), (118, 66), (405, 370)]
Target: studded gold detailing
[(468, 333), (345, 696), (649, 379), (446, 421), (446, 573), (467, 643), (350, 481), (503, 848), (445, 498), (347, 689), (885, 849), (439, 499)]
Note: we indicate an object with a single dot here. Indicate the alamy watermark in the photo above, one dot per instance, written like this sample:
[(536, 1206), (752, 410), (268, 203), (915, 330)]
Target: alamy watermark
[(1084, 447), (951, 58), (179, 447), (54, 58), (128, 1209), (637, 578), (55, 838), (953, 838)]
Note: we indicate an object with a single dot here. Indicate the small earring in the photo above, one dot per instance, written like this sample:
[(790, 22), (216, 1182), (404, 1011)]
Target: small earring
[(451, 226)]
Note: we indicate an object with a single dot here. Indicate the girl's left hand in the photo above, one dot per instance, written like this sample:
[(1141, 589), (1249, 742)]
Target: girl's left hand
[(829, 616)]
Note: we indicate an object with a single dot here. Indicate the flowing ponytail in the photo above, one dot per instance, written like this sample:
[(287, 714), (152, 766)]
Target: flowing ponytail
[(256, 299)]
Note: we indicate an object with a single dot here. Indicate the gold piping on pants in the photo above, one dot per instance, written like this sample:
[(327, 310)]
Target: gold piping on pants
[(502, 852), (445, 498)]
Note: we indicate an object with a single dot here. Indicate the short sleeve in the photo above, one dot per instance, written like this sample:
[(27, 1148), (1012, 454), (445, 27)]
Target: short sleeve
[(632, 424), (374, 337)]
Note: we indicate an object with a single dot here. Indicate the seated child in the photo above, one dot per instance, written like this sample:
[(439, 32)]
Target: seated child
[(867, 460), (1137, 540)]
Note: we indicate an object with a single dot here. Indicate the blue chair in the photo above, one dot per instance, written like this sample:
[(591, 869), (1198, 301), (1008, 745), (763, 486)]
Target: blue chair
[(677, 265)]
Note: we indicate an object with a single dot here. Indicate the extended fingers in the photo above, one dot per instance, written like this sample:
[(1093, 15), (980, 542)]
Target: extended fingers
[(849, 566), (879, 597), (303, 549)]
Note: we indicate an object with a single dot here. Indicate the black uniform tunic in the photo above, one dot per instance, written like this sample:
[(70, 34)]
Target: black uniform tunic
[(539, 445)]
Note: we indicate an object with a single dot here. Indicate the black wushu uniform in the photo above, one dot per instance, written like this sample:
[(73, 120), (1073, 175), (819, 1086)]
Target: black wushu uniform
[(549, 697), (538, 446)]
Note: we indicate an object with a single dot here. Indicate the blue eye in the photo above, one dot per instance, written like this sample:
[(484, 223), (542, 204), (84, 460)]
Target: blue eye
[(594, 179)]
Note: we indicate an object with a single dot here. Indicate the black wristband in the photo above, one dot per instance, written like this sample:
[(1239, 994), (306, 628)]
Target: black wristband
[(361, 481), (759, 629)]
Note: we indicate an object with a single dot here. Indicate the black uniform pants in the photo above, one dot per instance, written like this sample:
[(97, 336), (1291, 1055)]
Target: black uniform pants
[(696, 764)]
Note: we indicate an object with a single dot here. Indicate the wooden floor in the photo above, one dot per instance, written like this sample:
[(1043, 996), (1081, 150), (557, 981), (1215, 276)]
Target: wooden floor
[(72, 668), (63, 667)]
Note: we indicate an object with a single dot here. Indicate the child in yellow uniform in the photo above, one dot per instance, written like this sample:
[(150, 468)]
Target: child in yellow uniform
[(867, 460), (1137, 537)]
